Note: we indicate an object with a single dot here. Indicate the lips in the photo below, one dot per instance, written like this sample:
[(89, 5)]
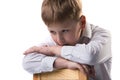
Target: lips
[(63, 44), (66, 44)]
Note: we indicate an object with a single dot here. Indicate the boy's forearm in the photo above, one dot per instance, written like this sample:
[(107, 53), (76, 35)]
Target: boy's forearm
[(60, 63)]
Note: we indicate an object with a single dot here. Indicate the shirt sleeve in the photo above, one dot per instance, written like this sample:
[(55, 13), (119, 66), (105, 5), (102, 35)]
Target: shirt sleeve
[(98, 50), (38, 63)]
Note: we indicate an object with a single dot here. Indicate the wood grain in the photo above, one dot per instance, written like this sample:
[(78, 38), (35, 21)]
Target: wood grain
[(61, 74)]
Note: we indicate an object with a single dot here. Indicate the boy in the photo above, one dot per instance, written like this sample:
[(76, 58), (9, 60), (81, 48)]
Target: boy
[(74, 44)]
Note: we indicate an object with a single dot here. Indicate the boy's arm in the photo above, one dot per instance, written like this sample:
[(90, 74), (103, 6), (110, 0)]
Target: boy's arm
[(97, 50), (61, 63), (37, 63), (46, 50)]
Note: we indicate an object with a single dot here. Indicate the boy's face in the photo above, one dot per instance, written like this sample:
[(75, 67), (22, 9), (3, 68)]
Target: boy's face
[(65, 33)]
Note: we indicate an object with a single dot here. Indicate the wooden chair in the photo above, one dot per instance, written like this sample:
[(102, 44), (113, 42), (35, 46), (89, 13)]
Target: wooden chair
[(62, 74)]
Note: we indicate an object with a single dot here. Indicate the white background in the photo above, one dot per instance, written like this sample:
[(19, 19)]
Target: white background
[(21, 27)]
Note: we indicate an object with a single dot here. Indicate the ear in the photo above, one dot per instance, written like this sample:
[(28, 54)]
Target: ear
[(82, 21)]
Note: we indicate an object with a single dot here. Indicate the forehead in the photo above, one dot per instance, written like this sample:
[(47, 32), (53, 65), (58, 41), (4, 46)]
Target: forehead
[(65, 24)]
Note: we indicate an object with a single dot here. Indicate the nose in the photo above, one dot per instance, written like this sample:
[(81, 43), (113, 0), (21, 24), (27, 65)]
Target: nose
[(60, 40)]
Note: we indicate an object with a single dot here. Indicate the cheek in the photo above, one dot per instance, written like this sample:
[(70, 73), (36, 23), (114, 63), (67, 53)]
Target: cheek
[(74, 36), (70, 38)]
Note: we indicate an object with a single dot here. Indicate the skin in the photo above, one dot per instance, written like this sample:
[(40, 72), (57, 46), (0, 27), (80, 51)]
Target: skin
[(65, 33)]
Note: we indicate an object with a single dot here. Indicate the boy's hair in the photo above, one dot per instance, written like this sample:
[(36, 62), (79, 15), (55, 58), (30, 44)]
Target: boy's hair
[(60, 10)]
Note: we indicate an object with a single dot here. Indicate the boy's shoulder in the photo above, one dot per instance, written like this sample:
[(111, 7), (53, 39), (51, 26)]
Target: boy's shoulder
[(94, 30)]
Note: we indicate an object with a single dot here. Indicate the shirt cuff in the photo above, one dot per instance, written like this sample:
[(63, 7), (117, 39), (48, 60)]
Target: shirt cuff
[(66, 52), (47, 64)]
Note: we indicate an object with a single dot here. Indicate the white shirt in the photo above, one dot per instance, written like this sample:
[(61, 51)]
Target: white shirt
[(97, 52)]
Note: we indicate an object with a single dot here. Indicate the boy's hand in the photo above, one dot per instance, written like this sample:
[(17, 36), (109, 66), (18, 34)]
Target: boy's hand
[(73, 65), (39, 49), (46, 50), (85, 69), (90, 70), (61, 63)]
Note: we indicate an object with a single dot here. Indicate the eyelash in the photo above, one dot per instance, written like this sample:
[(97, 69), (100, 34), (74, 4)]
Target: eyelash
[(65, 30), (52, 32)]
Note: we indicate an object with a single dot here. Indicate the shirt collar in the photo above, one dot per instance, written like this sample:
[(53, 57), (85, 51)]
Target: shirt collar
[(86, 35)]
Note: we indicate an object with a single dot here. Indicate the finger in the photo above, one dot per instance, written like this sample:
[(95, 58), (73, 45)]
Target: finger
[(85, 69), (27, 52), (91, 71), (82, 69), (30, 50), (45, 45)]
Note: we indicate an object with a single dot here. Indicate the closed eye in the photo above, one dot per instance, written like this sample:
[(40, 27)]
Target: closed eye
[(65, 30), (53, 32)]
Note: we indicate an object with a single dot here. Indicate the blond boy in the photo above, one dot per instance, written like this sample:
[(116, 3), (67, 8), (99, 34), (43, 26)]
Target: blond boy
[(74, 44)]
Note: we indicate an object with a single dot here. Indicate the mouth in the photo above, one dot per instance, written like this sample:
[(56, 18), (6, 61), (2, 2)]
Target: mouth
[(66, 44), (69, 44), (63, 44)]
